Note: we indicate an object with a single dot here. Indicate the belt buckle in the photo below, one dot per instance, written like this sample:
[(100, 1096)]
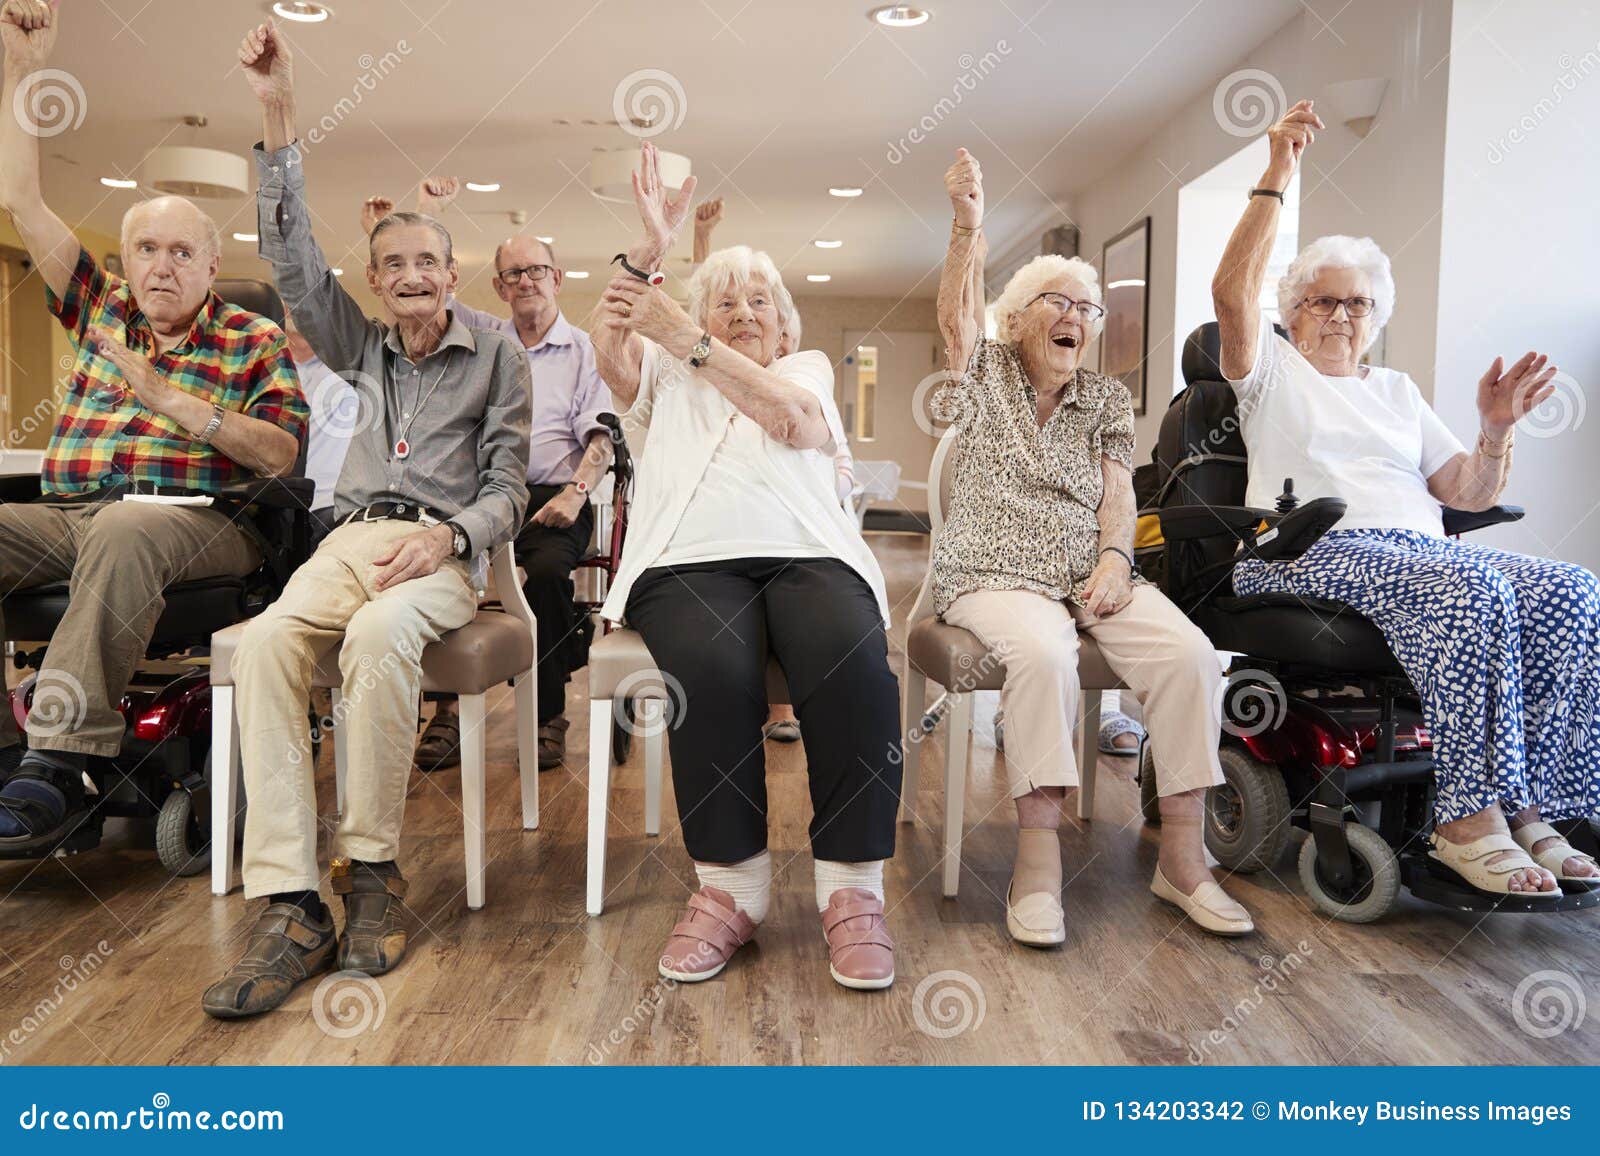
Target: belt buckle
[(366, 515)]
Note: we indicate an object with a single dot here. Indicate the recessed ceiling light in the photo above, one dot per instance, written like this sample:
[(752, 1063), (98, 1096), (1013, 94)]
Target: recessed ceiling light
[(827, 244), (336, 271), (580, 274), (483, 186), (1130, 283), (844, 191), (303, 11), (118, 183), (246, 237), (548, 241), (819, 277), (899, 16)]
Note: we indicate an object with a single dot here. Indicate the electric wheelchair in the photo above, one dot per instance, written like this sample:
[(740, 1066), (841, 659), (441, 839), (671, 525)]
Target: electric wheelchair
[(1322, 729), (163, 769)]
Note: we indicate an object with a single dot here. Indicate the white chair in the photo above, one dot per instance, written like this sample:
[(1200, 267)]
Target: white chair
[(498, 646), (956, 660)]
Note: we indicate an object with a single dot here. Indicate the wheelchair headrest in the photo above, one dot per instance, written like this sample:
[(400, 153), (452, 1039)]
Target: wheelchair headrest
[(1202, 355), (248, 293)]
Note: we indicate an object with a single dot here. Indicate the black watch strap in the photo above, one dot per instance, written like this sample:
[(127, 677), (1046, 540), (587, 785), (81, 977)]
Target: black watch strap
[(1268, 193)]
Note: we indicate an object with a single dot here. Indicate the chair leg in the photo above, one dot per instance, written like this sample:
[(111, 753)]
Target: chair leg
[(912, 705), (955, 788), (599, 799), (225, 776), (1088, 751), (473, 743), (528, 748), (341, 763), (652, 711)]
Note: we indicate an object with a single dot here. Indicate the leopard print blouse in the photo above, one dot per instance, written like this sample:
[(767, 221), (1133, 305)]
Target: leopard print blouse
[(1023, 500)]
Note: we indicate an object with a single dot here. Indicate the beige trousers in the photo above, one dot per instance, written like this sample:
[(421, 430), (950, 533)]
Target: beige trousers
[(1162, 656), (330, 598)]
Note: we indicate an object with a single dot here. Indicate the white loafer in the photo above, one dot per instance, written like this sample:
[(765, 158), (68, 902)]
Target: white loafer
[(1209, 907), (1036, 919)]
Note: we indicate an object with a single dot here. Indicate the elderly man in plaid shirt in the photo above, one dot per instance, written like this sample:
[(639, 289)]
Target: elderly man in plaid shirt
[(172, 392)]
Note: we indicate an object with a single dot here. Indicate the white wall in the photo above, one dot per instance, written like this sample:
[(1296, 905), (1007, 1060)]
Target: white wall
[(1520, 248)]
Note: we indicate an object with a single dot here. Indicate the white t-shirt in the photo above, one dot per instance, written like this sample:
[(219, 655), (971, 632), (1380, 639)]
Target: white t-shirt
[(335, 414), (693, 427), (1371, 440)]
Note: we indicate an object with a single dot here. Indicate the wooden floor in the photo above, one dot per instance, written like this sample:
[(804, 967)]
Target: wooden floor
[(103, 956)]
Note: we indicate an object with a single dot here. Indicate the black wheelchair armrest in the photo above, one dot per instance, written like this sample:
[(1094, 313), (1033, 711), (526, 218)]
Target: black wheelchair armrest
[(1466, 521), (1283, 537), (20, 487), (1187, 522), (282, 493)]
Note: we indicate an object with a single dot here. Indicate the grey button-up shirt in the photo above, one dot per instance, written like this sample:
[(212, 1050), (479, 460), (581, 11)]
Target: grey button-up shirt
[(464, 407)]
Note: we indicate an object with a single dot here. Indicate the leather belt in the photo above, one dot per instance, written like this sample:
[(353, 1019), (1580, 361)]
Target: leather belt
[(394, 511)]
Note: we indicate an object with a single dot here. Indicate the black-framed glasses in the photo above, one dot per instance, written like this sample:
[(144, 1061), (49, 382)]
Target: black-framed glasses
[(1320, 306), (534, 273), (1087, 311)]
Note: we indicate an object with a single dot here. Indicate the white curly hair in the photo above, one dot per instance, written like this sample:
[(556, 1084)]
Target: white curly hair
[(1035, 278), (737, 265), (1340, 252)]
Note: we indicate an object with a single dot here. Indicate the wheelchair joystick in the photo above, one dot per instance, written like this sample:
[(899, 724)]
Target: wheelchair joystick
[(1286, 500)]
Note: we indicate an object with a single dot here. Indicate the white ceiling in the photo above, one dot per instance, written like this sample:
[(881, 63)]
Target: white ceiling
[(780, 100)]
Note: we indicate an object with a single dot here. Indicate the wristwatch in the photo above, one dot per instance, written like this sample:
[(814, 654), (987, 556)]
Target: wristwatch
[(701, 351), (462, 543), (204, 437)]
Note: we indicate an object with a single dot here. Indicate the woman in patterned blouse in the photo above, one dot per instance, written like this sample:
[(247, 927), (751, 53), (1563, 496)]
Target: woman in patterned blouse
[(1037, 546)]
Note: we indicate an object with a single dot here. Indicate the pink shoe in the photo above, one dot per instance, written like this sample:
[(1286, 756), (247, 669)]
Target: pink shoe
[(706, 937), (860, 952)]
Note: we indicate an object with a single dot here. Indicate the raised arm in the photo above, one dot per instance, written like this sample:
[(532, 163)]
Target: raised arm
[(329, 317), (1474, 480), (1236, 288), (28, 29), (707, 216), (961, 283)]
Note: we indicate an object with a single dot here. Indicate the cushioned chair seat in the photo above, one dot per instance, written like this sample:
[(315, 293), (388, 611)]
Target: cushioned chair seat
[(193, 609), (955, 658), (487, 651), (621, 659), (1302, 632)]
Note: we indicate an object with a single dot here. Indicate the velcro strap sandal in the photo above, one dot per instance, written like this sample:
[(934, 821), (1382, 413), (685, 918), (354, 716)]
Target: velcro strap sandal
[(1470, 861), (1554, 857), (860, 952), (703, 941)]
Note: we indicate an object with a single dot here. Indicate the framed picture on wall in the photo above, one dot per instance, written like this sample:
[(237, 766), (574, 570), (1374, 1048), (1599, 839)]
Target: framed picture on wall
[(1125, 276)]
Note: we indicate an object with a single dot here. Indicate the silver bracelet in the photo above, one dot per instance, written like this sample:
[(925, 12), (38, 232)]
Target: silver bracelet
[(204, 436)]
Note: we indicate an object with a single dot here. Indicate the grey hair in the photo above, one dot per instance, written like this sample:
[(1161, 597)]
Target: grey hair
[(1031, 280), (737, 265), (213, 233), (548, 248), (406, 217), (1340, 252)]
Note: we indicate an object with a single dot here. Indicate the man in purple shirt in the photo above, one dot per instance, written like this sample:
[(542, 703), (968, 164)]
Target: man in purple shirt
[(569, 455)]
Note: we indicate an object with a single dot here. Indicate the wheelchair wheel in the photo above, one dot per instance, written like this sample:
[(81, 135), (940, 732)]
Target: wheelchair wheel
[(1149, 801), (1375, 878), (183, 847), (1247, 816)]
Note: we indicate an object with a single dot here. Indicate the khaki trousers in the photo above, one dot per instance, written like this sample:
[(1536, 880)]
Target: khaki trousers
[(119, 557), (1162, 656), (329, 599)]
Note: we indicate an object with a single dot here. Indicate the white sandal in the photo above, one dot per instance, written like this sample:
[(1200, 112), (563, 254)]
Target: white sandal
[(1470, 862), (1554, 858), (1114, 726)]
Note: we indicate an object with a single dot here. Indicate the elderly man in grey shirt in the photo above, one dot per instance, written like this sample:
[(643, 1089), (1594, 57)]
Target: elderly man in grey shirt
[(435, 475)]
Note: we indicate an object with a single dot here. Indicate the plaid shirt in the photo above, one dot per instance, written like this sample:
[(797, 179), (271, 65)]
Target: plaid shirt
[(105, 437)]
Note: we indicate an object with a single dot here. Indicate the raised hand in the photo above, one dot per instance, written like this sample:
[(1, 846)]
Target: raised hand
[(661, 213), (708, 214), (373, 210), (964, 182), (28, 30), (1289, 137), (436, 194), (1504, 398), (267, 64), (152, 390)]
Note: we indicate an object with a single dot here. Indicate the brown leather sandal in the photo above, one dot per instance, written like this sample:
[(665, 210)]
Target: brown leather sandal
[(287, 947), (374, 938), (439, 748)]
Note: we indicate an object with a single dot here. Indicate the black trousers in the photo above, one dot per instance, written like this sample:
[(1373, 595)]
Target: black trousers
[(710, 627), (548, 556)]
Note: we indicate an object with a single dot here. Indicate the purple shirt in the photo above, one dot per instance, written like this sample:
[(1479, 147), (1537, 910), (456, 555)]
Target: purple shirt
[(568, 394)]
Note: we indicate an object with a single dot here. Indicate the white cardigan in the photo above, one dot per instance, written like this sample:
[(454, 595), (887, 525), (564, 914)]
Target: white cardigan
[(687, 417)]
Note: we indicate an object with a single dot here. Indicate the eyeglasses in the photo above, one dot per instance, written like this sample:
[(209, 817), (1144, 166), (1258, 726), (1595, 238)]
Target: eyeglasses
[(534, 272), (1087, 311), (1327, 306)]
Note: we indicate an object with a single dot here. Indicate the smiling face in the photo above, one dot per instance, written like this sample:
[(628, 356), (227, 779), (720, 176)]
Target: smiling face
[(1333, 345), (170, 260), (533, 303), (411, 272), (1051, 344), (745, 318)]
